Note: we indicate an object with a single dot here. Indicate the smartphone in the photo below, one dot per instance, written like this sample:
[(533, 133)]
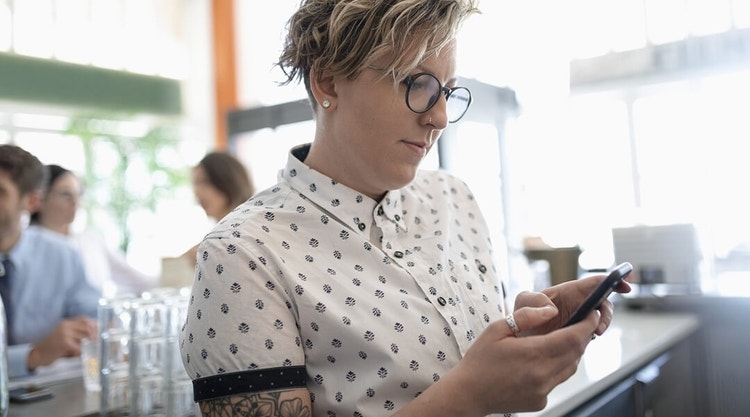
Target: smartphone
[(29, 394), (619, 273)]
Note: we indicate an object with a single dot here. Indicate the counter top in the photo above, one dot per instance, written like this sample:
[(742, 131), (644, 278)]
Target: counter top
[(633, 339), (70, 400)]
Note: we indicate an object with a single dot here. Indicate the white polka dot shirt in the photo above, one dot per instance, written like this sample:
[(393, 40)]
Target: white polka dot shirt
[(365, 303)]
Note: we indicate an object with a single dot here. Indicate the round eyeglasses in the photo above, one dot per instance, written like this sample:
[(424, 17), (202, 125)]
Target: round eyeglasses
[(423, 91)]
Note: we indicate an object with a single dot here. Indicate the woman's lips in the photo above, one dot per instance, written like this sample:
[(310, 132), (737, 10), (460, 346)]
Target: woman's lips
[(418, 148)]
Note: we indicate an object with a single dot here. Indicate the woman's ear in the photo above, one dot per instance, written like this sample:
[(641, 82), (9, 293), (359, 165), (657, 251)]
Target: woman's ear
[(323, 87)]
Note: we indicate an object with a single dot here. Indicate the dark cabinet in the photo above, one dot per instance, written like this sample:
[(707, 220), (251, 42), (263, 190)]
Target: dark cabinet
[(719, 370), (618, 401), (665, 387), (662, 388)]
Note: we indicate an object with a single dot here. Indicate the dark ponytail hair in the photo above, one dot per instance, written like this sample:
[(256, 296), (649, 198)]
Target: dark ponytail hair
[(53, 173)]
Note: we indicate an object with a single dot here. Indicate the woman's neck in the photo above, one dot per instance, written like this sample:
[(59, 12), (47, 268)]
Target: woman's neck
[(63, 229)]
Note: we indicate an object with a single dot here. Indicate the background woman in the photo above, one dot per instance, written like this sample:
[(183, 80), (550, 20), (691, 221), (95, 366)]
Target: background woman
[(220, 183), (106, 268)]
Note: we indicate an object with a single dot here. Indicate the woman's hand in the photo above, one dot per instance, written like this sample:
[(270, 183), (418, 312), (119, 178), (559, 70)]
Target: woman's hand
[(501, 373), (566, 298)]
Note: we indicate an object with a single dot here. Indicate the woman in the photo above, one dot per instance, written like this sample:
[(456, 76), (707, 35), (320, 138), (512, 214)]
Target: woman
[(220, 183), (106, 268), (360, 285)]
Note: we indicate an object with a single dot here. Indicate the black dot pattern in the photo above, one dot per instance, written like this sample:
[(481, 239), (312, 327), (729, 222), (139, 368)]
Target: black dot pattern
[(375, 300), (249, 381)]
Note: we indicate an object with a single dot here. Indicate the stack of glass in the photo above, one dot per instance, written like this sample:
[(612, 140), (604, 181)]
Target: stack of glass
[(114, 353), (4, 391), (140, 366)]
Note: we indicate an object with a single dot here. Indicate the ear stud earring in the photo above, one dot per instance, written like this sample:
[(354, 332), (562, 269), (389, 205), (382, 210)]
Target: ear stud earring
[(326, 104)]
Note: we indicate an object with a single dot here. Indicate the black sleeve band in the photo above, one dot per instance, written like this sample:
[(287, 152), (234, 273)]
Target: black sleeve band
[(248, 382)]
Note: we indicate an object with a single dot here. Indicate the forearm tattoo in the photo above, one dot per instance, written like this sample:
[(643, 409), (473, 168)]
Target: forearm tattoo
[(268, 404)]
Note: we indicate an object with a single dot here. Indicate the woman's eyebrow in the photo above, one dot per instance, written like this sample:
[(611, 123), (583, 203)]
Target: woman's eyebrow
[(422, 68)]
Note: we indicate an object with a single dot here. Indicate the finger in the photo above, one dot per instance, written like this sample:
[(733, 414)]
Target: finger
[(92, 329), (82, 322), (623, 287), (79, 331), (512, 326), (528, 318), (589, 326), (532, 299), (607, 312)]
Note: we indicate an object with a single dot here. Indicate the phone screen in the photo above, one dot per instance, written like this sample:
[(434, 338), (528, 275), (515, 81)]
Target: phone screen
[(605, 288)]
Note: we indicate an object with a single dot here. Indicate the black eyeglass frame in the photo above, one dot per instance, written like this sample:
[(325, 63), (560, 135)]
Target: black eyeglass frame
[(447, 91)]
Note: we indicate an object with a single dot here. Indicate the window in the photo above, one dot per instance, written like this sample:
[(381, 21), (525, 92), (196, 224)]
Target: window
[(167, 39), (150, 233), (685, 130), (688, 164), (581, 162), (698, 133)]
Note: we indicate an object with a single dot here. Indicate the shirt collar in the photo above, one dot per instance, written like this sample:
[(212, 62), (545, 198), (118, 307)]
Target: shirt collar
[(350, 206), (23, 246)]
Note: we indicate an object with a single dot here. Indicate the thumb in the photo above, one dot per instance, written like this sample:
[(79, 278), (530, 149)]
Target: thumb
[(529, 318)]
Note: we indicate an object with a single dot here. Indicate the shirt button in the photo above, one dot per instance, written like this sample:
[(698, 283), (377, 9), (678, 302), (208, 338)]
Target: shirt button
[(362, 227), (441, 301), (398, 254), (482, 268)]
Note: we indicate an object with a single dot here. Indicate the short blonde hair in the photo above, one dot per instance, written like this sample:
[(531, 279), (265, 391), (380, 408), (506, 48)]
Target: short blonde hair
[(346, 36)]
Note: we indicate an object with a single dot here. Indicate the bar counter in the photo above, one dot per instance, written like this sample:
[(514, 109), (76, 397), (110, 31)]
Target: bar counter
[(633, 339)]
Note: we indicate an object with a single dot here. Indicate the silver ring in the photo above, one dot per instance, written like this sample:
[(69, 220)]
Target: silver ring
[(512, 324)]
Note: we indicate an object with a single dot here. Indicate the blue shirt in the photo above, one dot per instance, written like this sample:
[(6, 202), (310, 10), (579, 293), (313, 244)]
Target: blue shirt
[(49, 285)]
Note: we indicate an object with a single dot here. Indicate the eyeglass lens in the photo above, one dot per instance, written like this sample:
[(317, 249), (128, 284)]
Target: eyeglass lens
[(424, 91)]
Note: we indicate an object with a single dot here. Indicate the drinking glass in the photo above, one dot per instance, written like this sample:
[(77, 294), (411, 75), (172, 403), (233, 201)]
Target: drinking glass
[(90, 364), (114, 321)]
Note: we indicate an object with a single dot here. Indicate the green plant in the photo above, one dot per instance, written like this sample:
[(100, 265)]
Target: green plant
[(129, 166)]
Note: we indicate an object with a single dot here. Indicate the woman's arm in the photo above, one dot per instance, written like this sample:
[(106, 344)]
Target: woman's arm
[(290, 403)]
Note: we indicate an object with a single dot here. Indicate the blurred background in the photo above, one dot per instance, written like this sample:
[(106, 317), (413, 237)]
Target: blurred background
[(611, 114)]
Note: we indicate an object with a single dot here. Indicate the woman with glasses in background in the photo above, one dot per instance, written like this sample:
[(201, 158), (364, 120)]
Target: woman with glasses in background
[(360, 285), (106, 268)]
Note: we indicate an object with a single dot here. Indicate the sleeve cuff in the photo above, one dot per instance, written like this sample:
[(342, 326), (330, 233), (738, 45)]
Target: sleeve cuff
[(17, 358)]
